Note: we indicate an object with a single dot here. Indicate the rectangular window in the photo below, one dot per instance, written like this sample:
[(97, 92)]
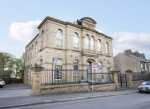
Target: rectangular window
[(75, 68), (58, 72)]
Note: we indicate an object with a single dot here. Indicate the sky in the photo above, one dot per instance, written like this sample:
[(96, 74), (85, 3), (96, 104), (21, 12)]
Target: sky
[(126, 21)]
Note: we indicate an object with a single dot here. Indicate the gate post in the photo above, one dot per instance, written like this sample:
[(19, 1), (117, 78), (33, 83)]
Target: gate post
[(36, 83), (129, 78), (115, 77)]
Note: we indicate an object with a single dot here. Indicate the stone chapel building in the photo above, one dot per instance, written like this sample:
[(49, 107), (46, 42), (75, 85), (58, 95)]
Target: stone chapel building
[(75, 46)]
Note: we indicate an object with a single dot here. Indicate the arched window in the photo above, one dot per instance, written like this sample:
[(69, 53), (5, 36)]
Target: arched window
[(76, 40), (100, 67), (42, 41), (32, 52), (146, 67), (99, 45), (36, 48), (107, 50), (29, 54), (75, 67), (142, 68), (86, 42), (59, 38), (92, 43)]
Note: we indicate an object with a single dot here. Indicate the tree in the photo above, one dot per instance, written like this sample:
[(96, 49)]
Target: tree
[(20, 66), (7, 61)]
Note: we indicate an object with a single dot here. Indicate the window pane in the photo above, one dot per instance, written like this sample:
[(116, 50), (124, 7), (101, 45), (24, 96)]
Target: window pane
[(75, 40), (92, 43), (75, 68), (106, 47), (99, 45), (59, 41), (59, 34), (86, 42), (99, 68)]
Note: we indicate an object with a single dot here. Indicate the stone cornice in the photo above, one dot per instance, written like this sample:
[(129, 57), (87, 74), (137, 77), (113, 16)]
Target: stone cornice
[(71, 24), (32, 40)]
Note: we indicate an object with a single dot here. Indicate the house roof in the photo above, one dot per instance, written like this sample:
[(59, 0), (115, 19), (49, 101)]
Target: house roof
[(137, 58)]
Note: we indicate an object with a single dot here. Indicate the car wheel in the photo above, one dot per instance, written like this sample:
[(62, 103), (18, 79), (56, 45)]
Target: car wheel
[(140, 91), (1, 86)]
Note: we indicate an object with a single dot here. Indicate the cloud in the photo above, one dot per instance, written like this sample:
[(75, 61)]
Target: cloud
[(24, 31), (134, 41)]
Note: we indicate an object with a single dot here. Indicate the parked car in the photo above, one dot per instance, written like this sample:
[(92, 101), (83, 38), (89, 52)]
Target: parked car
[(144, 87), (2, 83)]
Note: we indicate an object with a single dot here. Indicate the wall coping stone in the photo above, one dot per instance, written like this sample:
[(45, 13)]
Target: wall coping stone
[(66, 85)]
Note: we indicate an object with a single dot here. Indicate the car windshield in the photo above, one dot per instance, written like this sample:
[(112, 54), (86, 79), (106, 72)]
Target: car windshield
[(146, 83)]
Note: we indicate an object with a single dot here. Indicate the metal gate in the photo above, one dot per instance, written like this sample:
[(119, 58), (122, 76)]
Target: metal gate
[(122, 80)]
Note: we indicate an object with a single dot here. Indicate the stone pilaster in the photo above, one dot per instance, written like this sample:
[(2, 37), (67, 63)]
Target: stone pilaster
[(129, 78), (36, 80), (115, 77)]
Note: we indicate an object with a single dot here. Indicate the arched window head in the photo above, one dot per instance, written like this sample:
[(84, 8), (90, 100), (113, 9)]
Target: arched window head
[(107, 49), (92, 43), (76, 40), (86, 42), (59, 38), (99, 45)]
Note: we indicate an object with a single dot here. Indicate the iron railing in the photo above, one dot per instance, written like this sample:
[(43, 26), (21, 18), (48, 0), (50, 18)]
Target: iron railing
[(67, 76), (136, 76), (99, 78)]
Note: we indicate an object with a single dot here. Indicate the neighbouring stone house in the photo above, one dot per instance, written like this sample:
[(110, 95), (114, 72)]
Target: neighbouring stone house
[(134, 61), (74, 45)]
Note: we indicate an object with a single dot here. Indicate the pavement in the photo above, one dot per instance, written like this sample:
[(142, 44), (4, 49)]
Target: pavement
[(19, 95)]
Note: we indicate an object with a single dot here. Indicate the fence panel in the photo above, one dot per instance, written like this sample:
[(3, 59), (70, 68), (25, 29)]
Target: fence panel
[(63, 76), (136, 76), (100, 78)]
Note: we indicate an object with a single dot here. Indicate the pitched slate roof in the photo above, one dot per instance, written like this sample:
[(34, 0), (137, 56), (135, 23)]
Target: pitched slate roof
[(137, 58)]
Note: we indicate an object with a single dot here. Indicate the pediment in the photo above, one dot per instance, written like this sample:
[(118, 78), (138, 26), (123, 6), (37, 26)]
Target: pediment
[(89, 20)]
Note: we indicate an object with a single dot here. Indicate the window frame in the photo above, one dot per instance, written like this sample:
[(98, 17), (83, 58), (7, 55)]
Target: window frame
[(86, 42), (92, 43), (76, 40), (59, 37)]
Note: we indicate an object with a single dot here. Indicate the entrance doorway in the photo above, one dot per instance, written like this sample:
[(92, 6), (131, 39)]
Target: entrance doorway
[(89, 70)]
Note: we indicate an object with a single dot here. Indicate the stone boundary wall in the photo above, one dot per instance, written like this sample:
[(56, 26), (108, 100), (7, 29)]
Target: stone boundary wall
[(76, 88), (103, 87), (136, 84)]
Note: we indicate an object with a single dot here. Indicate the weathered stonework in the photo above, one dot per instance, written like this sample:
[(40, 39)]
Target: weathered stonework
[(72, 88), (76, 88), (136, 84), (44, 47), (129, 78), (104, 87)]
